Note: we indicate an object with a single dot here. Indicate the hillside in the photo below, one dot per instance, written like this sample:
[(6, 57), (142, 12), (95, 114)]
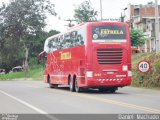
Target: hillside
[(150, 79)]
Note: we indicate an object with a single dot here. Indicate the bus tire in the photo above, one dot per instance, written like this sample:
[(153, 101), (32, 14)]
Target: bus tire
[(113, 90), (71, 84), (77, 88), (51, 85), (102, 89)]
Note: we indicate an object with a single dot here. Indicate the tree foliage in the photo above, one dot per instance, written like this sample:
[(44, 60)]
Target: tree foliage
[(137, 37), (85, 13), (22, 24)]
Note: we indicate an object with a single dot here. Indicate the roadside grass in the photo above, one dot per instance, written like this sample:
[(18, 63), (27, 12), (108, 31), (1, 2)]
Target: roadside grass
[(35, 73), (10, 76), (136, 58), (150, 79)]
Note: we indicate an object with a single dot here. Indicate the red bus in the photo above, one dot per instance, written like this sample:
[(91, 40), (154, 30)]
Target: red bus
[(90, 55)]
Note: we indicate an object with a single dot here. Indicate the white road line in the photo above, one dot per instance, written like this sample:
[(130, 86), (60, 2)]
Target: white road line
[(29, 105), (24, 103)]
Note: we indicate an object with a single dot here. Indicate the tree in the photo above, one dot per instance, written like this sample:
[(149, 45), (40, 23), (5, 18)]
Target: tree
[(137, 37), (85, 13), (38, 45), (22, 22)]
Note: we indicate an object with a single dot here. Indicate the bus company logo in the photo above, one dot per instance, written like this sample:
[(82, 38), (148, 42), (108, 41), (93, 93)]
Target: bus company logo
[(66, 55), (97, 74), (108, 31), (95, 36)]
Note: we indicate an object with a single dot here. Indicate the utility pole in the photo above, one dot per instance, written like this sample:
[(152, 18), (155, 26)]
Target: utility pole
[(124, 12), (101, 9), (157, 27), (70, 23), (123, 16)]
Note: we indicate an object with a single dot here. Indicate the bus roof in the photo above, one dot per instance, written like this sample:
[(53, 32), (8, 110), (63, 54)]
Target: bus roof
[(79, 26), (82, 25)]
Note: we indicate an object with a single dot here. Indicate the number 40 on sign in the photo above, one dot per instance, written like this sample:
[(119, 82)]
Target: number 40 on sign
[(143, 66)]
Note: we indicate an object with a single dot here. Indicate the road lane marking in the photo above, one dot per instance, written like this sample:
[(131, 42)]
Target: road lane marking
[(32, 86), (24, 103), (146, 95), (110, 101), (30, 106), (123, 104)]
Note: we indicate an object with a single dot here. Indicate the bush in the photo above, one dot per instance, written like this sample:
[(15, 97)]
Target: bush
[(150, 79)]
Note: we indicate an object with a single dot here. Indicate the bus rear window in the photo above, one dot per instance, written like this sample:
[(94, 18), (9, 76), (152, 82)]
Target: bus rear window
[(111, 32)]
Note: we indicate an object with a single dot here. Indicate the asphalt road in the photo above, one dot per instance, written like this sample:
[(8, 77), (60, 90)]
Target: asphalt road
[(35, 97)]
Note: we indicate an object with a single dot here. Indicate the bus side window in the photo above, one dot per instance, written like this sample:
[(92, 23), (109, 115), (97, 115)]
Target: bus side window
[(46, 48), (81, 36), (52, 45), (73, 36), (57, 43), (67, 37), (44, 61), (71, 39), (80, 39), (61, 42), (66, 40)]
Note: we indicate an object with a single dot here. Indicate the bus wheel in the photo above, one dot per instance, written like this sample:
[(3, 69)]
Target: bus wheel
[(71, 85), (52, 85), (113, 90), (77, 88), (102, 89)]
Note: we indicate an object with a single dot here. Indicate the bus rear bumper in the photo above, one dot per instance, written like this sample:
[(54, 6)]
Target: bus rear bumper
[(120, 82)]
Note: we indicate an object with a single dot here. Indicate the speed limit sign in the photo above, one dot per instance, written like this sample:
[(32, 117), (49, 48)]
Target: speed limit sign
[(143, 66)]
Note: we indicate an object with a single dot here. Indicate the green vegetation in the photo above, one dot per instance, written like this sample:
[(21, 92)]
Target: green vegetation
[(35, 73), (85, 13), (137, 37), (150, 79), (22, 34)]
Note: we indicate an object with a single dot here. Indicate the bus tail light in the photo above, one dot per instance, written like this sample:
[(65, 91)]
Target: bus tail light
[(124, 67), (129, 73), (89, 74)]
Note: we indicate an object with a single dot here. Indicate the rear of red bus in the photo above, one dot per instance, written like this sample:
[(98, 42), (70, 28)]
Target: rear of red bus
[(108, 55)]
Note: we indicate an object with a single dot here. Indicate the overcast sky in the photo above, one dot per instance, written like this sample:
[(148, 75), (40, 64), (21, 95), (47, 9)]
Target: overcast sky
[(65, 10), (111, 9)]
